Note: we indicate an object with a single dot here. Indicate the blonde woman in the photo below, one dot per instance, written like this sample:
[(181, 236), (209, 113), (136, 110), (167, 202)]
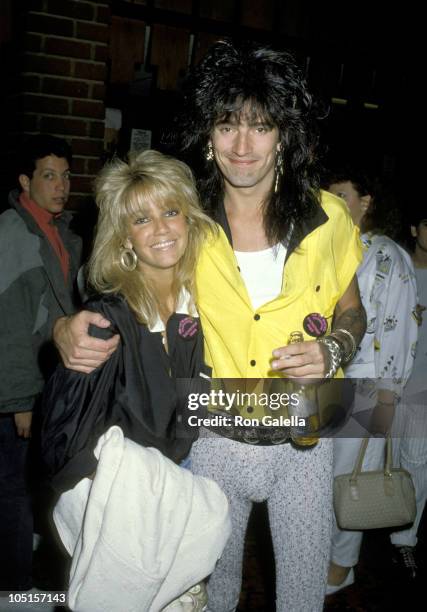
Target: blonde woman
[(149, 234)]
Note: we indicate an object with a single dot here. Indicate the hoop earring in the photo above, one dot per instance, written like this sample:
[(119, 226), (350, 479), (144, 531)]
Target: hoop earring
[(128, 260), (209, 152), (278, 168)]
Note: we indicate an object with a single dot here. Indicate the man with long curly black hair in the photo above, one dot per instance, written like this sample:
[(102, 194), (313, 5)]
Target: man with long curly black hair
[(263, 88), (283, 262), (286, 257)]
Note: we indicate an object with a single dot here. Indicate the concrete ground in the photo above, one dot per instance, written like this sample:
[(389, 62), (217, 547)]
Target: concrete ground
[(377, 588)]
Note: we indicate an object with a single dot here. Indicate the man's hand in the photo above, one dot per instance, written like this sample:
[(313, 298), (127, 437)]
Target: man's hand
[(23, 423), (301, 360), (79, 351), (311, 359)]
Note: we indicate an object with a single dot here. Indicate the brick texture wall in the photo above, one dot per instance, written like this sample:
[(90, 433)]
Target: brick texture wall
[(60, 81)]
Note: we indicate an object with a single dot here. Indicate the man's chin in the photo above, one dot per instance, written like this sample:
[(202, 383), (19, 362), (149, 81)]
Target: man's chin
[(241, 181), (55, 209)]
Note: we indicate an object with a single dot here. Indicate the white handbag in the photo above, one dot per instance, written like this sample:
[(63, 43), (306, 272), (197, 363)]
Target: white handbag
[(374, 499)]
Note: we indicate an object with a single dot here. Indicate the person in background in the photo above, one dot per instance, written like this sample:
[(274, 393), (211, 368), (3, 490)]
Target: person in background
[(412, 424), (384, 359), (39, 259)]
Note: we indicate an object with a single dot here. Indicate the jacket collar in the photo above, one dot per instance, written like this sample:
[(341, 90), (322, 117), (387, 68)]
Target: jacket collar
[(50, 261), (293, 240), (63, 219)]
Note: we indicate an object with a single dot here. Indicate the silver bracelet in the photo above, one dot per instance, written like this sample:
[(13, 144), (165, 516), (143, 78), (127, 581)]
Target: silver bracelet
[(347, 357), (335, 354)]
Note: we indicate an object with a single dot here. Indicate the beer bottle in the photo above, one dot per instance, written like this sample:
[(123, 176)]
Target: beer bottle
[(306, 408)]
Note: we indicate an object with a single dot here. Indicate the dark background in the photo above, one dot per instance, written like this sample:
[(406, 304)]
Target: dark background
[(63, 61)]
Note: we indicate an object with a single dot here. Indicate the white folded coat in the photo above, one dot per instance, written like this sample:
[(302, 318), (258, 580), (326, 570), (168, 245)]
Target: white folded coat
[(142, 532)]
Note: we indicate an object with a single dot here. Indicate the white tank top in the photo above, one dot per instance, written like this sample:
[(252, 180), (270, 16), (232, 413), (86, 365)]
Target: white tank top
[(262, 273)]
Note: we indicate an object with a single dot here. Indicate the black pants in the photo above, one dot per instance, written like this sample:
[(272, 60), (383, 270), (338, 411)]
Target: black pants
[(16, 517)]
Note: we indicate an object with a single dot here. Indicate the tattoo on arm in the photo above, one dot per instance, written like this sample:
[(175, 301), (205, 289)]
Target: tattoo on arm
[(354, 321)]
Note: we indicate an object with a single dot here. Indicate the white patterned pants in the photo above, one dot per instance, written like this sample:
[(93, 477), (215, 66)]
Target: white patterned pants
[(297, 485), (413, 457)]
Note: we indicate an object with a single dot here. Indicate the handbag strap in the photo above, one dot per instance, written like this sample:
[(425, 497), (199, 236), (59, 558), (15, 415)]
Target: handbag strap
[(359, 461), (388, 460)]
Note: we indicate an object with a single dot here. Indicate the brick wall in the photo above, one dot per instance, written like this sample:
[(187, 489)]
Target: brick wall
[(60, 81)]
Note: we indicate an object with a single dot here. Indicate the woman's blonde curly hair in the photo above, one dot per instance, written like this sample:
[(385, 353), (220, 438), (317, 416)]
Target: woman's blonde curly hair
[(121, 190)]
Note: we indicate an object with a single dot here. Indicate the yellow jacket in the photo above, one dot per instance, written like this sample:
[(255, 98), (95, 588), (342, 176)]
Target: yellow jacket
[(238, 339)]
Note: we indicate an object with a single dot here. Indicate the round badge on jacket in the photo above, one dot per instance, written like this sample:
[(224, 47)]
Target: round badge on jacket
[(188, 328), (315, 325)]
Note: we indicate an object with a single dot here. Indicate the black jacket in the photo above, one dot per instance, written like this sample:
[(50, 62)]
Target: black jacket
[(140, 388)]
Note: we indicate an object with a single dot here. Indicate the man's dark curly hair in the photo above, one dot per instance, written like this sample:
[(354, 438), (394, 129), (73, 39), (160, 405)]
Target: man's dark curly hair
[(235, 77), (40, 146)]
